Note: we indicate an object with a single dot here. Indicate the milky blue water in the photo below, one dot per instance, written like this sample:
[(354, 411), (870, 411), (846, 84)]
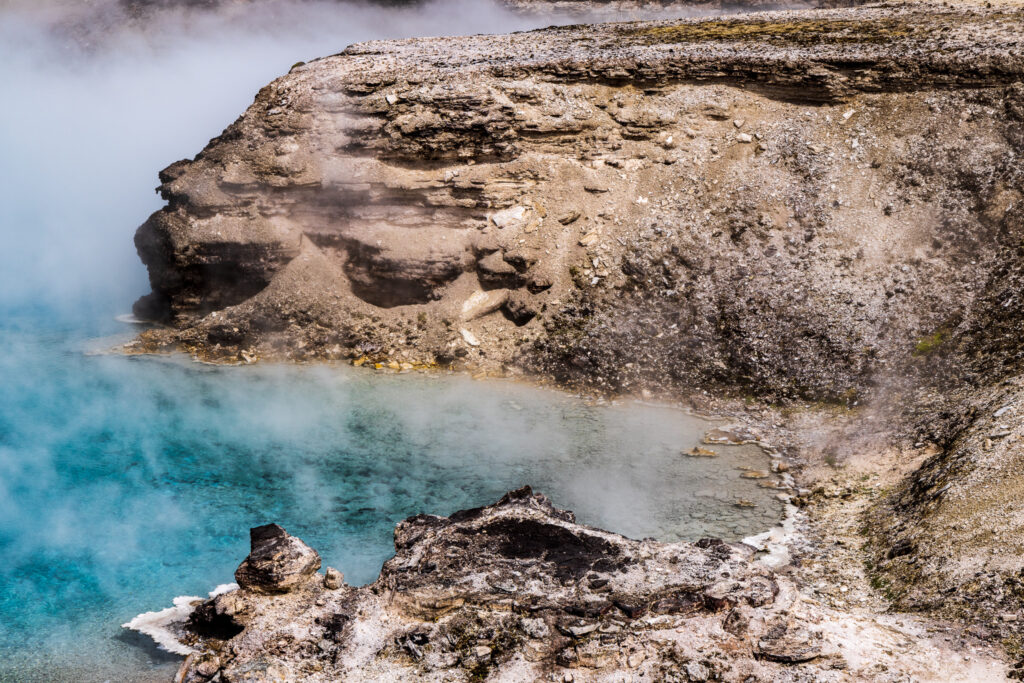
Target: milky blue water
[(125, 481)]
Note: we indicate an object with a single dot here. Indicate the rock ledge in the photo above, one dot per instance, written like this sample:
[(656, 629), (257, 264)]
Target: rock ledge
[(519, 591)]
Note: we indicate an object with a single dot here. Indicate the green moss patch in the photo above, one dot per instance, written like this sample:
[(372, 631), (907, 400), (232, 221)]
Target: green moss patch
[(929, 344), (801, 32)]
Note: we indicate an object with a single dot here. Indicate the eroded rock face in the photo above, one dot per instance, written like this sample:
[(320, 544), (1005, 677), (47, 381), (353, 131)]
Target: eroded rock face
[(519, 591), (278, 561), (949, 538), (784, 203)]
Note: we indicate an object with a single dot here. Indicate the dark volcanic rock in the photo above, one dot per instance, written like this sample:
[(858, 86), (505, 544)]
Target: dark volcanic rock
[(278, 561)]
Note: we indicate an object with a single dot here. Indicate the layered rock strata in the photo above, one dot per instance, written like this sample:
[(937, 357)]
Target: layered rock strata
[(786, 203)]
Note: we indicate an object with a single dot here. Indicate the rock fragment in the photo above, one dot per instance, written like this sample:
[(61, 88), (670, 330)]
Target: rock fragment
[(277, 562), (333, 579), (569, 217), (481, 302), (734, 435), (788, 644), (511, 217), (520, 308)]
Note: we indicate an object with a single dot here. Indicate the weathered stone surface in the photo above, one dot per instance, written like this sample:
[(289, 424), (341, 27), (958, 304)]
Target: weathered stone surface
[(333, 579), (481, 303), (364, 197), (788, 643), (519, 591), (278, 561)]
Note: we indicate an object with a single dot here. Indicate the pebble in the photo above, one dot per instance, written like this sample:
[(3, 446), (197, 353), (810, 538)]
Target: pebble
[(744, 137), (635, 659), (697, 672), (208, 668), (569, 217)]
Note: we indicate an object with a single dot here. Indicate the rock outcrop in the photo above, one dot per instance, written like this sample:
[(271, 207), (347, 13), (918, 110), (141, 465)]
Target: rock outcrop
[(277, 562), (520, 591), (785, 203)]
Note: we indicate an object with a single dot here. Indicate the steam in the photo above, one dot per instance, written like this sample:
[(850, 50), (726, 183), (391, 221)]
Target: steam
[(97, 100), (124, 481)]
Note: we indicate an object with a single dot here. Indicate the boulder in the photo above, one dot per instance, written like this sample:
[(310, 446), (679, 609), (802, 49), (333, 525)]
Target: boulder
[(277, 561)]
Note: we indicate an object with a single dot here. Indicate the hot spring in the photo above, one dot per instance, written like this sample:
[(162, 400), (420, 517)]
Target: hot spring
[(130, 479), (125, 481)]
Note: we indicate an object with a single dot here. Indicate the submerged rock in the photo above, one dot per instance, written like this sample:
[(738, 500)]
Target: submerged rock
[(733, 436), (278, 561)]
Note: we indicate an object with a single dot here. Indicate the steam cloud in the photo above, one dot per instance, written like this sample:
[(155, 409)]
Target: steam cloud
[(98, 99)]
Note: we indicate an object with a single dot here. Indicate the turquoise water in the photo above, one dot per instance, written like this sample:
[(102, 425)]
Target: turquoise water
[(129, 480), (126, 481)]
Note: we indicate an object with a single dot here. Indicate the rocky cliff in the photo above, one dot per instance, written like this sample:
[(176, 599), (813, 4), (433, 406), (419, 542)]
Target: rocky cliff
[(786, 203), (818, 205)]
